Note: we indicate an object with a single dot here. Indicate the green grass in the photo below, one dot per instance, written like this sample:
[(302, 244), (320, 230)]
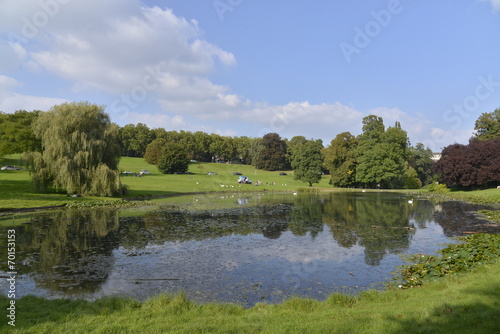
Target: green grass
[(17, 189), (158, 184), (476, 196), (465, 303)]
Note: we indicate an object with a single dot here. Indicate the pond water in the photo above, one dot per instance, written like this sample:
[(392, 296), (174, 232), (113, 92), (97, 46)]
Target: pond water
[(243, 249)]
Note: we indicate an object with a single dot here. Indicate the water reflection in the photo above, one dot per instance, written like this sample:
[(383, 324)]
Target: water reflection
[(264, 249), (68, 251)]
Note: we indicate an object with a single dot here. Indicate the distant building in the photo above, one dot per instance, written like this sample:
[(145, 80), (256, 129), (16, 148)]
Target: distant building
[(436, 156)]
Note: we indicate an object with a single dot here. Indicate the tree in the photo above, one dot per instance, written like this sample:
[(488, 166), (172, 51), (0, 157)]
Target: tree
[(307, 161), (396, 142), (154, 151), (173, 159), (382, 155), (293, 145), (203, 141), (16, 132), (222, 148), (244, 149), (476, 165), (134, 139), (271, 153), (420, 159), (79, 154), (340, 160), (488, 126)]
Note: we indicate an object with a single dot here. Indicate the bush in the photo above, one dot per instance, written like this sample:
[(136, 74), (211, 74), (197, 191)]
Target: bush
[(174, 159), (437, 188)]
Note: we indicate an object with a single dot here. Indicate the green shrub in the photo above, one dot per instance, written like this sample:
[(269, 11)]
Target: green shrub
[(437, 188)]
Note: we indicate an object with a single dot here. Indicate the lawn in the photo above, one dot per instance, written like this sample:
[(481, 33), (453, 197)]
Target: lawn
[(200, 181), (17, 189)]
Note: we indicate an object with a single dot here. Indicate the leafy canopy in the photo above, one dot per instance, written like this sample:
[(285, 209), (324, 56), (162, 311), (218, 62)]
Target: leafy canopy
[(79, 150), (307, 161), (174, 158), (488, 126), (270, 153)]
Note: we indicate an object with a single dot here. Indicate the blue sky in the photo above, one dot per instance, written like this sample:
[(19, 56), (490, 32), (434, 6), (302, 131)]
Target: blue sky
[(249, 67)]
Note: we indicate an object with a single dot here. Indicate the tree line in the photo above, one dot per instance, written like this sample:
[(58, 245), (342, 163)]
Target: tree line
[(76, 147)]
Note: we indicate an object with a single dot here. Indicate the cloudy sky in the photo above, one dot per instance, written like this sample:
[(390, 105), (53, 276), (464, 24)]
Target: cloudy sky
[(248, 67)]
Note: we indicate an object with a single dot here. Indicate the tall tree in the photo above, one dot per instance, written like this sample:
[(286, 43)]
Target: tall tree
[(396, 141), (292, 146), (340, 160), (271, 155), (80, 153), (307, 161), (488, 126), (382, 155)]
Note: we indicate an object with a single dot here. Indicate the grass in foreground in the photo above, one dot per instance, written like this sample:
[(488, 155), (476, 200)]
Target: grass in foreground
[(465, 303)]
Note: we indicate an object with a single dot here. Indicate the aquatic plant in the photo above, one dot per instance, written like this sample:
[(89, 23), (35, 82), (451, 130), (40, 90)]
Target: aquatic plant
[(475, 249)]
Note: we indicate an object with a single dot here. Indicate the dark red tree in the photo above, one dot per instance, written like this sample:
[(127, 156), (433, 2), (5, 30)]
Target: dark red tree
[(476, 165)]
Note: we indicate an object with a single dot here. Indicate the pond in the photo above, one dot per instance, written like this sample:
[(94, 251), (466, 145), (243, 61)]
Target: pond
[(239, 248)]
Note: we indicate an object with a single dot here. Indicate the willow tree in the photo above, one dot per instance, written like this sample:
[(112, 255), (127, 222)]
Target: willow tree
[(79, 154)]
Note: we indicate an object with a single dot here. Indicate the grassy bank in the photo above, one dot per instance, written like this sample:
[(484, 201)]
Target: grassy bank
[(465, 303), (487, 196)]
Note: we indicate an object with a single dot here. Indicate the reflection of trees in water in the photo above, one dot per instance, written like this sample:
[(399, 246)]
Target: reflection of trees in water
[(75, 247), (307, 215), (133, 233), (377, 221), (422, 212), (177, 226), (69, 250), (458, 218)]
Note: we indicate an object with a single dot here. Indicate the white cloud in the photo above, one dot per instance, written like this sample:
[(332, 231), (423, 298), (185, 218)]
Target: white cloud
[(154, 120), (116, 57), (11, 101)]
